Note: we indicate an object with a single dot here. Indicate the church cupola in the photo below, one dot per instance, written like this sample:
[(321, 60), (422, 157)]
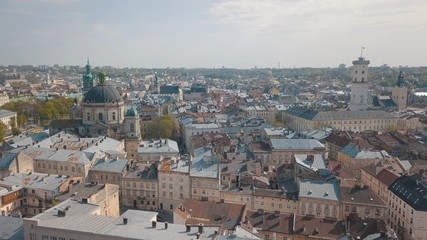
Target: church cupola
[(132, 126), (400, 80), (87, 79)]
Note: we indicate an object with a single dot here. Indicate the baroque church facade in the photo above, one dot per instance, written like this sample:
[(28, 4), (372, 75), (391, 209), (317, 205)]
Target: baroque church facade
[(102, 112)]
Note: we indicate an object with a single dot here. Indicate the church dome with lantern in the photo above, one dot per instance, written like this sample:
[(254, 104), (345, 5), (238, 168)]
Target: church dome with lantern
[(103, 105)]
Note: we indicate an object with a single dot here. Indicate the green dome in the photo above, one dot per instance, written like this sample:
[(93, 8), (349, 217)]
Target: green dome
[(131, 112), (103, 94), (400, 80)]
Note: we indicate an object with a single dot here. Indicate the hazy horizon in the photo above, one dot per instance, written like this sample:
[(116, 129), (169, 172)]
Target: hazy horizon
[(237, 34)]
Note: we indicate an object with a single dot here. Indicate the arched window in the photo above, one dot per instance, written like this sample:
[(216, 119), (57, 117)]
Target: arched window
[(88, 116), (100, 117), (132, 127), (114, 116)]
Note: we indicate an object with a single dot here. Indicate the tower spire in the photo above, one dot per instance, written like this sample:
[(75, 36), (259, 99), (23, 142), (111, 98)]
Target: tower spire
[(361, 51)]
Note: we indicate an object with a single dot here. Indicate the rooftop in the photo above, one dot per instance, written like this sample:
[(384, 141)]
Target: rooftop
[(36, 180), (142, 171), (210, 213), (6, 113), (11, 228), (205, 165), (359, 195), (158, 146), (110, 165), (411, 189), (81, 190), (296, 144), (182, 166), (313, 162), (81, 217), (321, 190), (338, 115), (355, 152)]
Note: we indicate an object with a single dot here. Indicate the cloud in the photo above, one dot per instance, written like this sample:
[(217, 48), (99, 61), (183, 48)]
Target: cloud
[(260, 16), (108, 30), (59, 2)]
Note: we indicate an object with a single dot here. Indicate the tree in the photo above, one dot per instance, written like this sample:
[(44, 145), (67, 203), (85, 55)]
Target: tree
[(278, 119), (15, 131), (3, 130), (163, 127)]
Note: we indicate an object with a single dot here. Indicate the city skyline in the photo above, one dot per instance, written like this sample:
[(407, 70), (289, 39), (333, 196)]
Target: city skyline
[(208, 34)]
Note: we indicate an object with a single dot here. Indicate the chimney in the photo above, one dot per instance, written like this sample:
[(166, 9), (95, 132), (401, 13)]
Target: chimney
[(187, 228), (125, 221), (153, 224), (293, 222), (61, 213), (200, 228), (310, 157), (166, 225)]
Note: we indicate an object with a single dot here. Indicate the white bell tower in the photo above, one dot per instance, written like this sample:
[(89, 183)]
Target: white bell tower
[(359, 85)]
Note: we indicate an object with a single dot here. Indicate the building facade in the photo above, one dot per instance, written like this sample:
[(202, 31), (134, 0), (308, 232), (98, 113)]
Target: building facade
[(359, 86)]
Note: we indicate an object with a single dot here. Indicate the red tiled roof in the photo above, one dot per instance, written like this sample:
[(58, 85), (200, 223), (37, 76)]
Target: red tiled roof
[(386, 177), (209, 212), (337, 140)]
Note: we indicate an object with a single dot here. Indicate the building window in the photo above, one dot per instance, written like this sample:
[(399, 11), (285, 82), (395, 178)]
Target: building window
[(114, 116), (132, 127), (171, 207), (88, 116), (100, 117)]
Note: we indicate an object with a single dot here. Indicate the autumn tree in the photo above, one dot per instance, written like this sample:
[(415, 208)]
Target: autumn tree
[(3, 131), (163, 127)]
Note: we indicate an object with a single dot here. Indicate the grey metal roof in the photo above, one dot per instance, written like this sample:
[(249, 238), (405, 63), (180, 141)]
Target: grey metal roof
[(80, 218), (411, 189), (158, 146), (7, 159), (27, 140), (11, 228), (204, 164), (42, 181), (317, 163), (110, 165), (296, 144), (6, 113), (338, 115), (321, 190), (353, 151), (103, 94)]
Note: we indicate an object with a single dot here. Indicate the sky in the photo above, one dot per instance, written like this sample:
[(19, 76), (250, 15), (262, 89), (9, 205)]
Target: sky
[(213, 33)]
